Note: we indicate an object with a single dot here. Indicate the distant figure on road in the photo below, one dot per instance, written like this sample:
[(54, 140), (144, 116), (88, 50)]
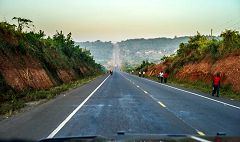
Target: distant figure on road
[(216, 84), (139, 73), (143, 74), (111, 72), (161, 76), (165, 76)]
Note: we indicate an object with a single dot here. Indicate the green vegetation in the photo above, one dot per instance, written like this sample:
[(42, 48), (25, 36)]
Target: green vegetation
[(142, 67), (127, 67), (225, 91), (22, 23), (18, 101), (201, 46), (52, 53)]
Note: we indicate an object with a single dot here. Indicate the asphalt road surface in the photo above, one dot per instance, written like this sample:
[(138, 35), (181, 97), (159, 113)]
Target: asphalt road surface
[(124, 102)]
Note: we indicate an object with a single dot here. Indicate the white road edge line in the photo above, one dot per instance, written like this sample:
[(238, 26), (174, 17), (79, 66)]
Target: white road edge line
[(196, 94), (199, 139), (161, 104), (53, 133)]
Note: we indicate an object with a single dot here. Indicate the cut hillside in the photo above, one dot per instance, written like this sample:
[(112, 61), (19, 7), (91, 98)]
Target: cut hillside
[(229, 68), (30, 61), (202, 57)]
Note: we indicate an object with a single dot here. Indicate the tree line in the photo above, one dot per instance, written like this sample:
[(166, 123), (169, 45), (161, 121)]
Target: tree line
[(200, 46), (58, 51)]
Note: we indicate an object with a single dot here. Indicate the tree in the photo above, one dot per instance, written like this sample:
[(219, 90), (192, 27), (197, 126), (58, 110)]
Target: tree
[(163, 58), (41, 34), (230, 39), (22, 23)]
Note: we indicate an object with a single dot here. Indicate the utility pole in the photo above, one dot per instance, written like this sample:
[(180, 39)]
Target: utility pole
[(211, 32)]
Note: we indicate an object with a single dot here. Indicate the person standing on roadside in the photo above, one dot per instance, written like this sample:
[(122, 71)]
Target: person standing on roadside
[(111, 72), (139, 73), (216, 84), (143, 74), (165, 76), (161, 76)]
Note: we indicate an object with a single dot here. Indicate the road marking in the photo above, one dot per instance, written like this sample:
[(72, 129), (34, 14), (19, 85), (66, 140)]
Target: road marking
[(153, 98), (161, 104), (200, 133), (199, 139), (226, 104), (75, 110), (145, 92), (156, 100)]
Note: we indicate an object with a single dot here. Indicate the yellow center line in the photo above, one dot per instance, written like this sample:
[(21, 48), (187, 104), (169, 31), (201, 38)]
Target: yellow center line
[(200, 133)]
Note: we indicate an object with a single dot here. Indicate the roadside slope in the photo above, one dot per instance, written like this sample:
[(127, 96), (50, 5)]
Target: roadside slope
[(29, 61)]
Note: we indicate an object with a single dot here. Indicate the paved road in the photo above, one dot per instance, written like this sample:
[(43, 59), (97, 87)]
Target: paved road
[(124, 102)]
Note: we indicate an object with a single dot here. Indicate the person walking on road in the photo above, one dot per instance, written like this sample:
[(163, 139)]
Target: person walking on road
[(216, 84), (161, 76), (165, 76)]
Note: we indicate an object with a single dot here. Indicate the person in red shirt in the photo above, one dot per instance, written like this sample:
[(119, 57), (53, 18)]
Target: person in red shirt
[(216, 84), (165, 76)]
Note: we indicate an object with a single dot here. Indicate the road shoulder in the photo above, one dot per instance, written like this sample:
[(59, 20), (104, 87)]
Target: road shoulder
[(40, 121)]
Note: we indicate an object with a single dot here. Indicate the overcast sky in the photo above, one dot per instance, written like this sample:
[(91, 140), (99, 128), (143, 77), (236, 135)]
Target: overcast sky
[(118, 20)]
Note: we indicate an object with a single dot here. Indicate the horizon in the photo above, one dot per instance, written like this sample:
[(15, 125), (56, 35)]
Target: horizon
[(146, 38), (113, 20)]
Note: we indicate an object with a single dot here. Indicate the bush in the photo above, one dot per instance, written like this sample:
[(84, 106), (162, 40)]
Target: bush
[(200, 46)]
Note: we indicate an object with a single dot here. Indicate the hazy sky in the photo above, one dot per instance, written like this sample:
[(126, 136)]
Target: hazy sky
[(122, 19)]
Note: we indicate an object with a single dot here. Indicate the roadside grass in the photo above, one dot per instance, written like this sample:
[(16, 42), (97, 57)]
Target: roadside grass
[(17, 101), (225, 91)]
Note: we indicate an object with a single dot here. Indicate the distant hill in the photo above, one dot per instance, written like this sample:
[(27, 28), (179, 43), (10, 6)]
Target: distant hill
[(133, 51), (101, 51)]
